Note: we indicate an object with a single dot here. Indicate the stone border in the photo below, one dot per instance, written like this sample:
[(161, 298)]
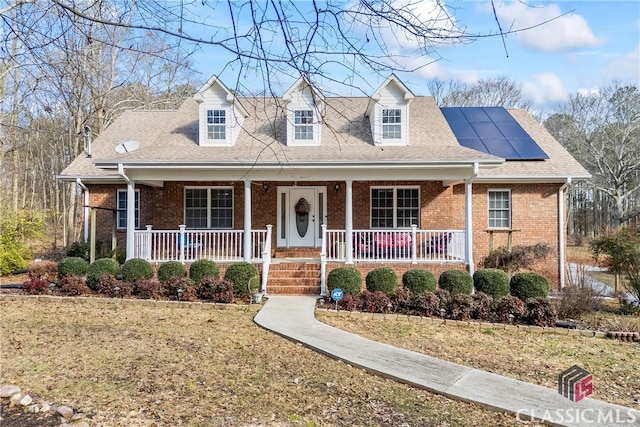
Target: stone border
[(198, 305), (458, 323)]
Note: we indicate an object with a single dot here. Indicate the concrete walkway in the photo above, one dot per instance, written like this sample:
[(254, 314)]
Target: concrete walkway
[(293, 318)]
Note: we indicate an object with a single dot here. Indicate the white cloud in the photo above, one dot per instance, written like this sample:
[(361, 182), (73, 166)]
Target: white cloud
[(545, 87), (567, 32), (625, 68)]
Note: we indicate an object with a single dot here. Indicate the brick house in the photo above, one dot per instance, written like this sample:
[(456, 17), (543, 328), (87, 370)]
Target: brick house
[(304, 183)]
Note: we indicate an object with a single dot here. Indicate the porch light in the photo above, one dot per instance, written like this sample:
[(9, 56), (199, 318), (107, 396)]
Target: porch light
[(337, 187), (265, 187)]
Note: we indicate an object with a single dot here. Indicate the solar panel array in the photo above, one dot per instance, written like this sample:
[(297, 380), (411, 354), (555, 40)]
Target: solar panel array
[(492, 130)]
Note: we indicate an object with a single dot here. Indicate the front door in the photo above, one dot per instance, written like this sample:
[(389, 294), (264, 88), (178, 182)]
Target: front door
[(302, 211)]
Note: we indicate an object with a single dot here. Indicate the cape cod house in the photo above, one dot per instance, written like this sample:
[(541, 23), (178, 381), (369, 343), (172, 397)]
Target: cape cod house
[(304, 183)]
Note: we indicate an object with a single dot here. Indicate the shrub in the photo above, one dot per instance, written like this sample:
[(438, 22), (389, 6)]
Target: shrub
[(348, 279), (100, 267), (456, 282), (419, 281), (203, 268), (108, 285), (72, 266), (171, 270), (541, 312), (444, 298), (73, 286), (15, 230), (461, 307), (575, 301), (181, 289), (427, 304), (481, 306), (509, 309), (240, 274), (402, 300), (491, 281), (79, 250), (36, 286), (382, 279), (375, 302), (529, 285), (350, 302), (136, 269), (44, 270), (148, 289), (215, 289), (518, 258)]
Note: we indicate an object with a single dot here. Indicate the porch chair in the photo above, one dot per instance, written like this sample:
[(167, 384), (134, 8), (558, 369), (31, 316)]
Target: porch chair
[(438, 244)]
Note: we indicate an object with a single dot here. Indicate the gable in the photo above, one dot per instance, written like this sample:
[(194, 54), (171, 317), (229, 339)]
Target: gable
[(220, 116)]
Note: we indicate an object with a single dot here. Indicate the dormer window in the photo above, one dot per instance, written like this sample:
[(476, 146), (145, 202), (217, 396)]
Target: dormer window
[(216, 124), (303, 125), (392, 124)]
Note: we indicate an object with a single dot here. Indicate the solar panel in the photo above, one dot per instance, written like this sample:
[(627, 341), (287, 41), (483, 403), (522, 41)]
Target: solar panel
[(492, 130)]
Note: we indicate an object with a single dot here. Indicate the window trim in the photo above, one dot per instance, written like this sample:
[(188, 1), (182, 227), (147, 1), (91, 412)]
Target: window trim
[(300, 122), (122, 214), (395, 189), (509, 210), (215, 126), (208, 207), (397, 123)]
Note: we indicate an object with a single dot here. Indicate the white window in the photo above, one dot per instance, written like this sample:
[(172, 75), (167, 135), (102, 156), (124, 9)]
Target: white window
[(121, 214), (499, 209), (303, 124), (216, 124), (392, 124), (395, 207), (209, 207)]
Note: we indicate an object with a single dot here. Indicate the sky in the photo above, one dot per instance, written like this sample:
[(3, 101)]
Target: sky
[(589, 44)]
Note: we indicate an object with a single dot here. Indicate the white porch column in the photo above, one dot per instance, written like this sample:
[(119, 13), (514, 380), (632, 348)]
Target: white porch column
[(131, 217), (247, 221), (468, 225), (348, 221), (562, 198)]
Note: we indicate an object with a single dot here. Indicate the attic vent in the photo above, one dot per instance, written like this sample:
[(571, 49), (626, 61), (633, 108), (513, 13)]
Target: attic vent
[(127, 147)]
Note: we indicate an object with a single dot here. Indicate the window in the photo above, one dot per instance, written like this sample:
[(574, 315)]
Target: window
[(499, 209), (391, 124), (394, 207), (209, 207), (303, 124), (121, 214), (216, 124)]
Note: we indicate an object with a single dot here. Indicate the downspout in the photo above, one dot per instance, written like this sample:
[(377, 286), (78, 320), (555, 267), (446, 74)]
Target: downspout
[(131, 211), (562, 231), (468, 217), (86, 208)]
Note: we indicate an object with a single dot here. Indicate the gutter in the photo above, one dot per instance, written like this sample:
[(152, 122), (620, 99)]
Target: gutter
[(122, 174), (86, 208), (562, 231)]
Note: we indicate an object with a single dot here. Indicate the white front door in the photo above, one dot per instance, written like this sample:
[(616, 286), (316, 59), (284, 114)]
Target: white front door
[(301, 213)]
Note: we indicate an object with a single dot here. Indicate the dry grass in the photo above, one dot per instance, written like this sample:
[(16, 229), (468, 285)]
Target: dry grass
[(132, 365)]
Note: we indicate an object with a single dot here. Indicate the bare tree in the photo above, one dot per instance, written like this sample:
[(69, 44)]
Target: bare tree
[(499, 91)]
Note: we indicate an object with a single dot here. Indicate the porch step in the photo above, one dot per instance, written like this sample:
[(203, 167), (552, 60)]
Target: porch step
[(297, 253), (293, 277)]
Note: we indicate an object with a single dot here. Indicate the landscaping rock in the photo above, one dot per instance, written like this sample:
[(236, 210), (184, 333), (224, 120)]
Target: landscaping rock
[(65, 412), (9, 390)]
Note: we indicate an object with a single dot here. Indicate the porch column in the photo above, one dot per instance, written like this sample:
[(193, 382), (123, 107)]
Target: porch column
[(348, 221), (468, 225), (131, 217), (247, 221)]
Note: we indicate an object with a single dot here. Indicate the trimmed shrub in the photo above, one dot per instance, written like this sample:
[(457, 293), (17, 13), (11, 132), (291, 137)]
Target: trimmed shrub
[(348, 279), (444, 298), (541, 312), (491, 281), (44, 270), (73, 286), (350, 302), (419, 281), (375, 302), (509, 309), (171, 270), (402, 300), (240, 274), (110, 286), (382, 279), (74, 266), (427, 304), (148, 289), (529, 285), (180, 288), (99, 268), (481, 306), (215, 289), (456, 282), (36, 286), (203, 268), (461, 307), (136, 269)]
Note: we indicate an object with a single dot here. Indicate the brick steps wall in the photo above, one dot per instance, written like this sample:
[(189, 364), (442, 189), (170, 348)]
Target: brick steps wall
[(294, 278)]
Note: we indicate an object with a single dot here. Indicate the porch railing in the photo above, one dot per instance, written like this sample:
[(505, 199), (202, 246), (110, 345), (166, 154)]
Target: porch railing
[(190, 245)]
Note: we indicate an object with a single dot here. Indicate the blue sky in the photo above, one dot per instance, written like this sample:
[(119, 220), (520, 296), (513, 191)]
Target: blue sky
[(594, 44)]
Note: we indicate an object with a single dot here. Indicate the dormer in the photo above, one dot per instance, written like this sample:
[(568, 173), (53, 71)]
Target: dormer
[(388, 113), (305, 109), (220, 115)]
